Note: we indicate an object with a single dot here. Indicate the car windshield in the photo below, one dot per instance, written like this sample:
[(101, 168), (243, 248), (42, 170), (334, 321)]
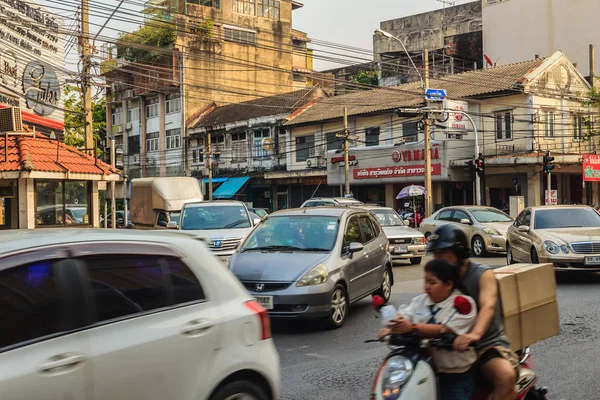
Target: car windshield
[(204, 216), (261, 213), (78, 213), (484, 215), (388, 218), (566, 218), (294, 233)]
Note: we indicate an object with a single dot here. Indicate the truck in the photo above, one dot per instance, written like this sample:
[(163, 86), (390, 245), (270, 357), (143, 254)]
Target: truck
[(156, 203)]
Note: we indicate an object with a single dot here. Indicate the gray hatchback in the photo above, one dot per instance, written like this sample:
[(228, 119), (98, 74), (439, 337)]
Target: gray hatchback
[(315, 262)]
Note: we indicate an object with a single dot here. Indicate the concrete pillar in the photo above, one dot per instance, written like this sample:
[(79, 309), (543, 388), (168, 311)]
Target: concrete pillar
[(437, 195), (595, 196), (534, 190), (27, 210), (95, 206), (390, 196)]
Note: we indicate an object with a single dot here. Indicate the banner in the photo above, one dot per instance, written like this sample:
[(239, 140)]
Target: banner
[(591, 167), (394, 172)]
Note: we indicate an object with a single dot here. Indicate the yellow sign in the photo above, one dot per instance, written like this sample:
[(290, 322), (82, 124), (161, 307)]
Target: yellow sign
[(267, 144)]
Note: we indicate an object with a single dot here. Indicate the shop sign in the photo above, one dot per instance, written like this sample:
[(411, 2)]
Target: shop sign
[(591, 167), (395, 172), (456, 121), (414, 155), (335, 160)]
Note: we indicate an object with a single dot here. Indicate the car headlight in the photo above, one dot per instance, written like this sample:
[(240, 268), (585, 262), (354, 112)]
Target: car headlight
[(551, 247), (491, 231), (418, 240), (395, 375), (564, 248), (315, 276)]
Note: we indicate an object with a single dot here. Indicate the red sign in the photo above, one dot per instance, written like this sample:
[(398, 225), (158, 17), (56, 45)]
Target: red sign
[(591, 167), (336, 160), (414, 155), (395, 172)]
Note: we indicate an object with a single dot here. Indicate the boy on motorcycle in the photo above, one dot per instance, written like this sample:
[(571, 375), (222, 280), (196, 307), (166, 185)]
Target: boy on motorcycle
[(497, 363)]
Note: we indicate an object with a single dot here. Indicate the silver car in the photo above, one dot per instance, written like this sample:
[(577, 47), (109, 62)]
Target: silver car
[(331, 201), (406, 243), (315, 262)]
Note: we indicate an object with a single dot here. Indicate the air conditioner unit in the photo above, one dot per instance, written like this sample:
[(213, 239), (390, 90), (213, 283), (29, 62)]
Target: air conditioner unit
[(10, 120), (120, 129), (128, 93), (128, 126), (312, 162)]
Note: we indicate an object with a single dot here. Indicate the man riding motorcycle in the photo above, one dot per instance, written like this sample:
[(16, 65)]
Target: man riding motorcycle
[(497, 363)]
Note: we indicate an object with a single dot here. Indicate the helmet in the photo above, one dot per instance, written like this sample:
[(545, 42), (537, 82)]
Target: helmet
[(449, 237)]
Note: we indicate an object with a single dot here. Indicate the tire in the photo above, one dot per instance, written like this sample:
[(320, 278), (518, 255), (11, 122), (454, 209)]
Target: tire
[(509, 257), (242, 390), (534, 256), (478, 246), (415, 260), (385, 291), (339, 307)]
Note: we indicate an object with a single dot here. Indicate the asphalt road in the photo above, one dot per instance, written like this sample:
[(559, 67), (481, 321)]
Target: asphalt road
[(318, 364)]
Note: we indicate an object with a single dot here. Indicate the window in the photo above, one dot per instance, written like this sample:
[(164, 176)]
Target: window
[(173, 139), (133, 145), (247, 7), (549, 124), (333, 142), (578, 125), (460, 215), (62, 202), (152, 142), (31, 303), (268, 8), (410, 132), (117, 116), (124, 285), (239, 35), (236, 137), (218, 139), (133, 115), (239, 146), (444, 215), (198, 156), (503, 127), (304, 147), (207, 3), (259, 136), (367, 229), (376, 226), (152, 108), (372, 137), (173, 104), (352, 234), (526, 218)]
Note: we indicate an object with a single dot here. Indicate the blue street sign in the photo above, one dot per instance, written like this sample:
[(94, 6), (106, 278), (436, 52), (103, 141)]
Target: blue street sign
[(435, 94)]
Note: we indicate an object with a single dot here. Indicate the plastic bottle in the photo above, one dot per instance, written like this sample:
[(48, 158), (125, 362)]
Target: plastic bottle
[(387, 314)]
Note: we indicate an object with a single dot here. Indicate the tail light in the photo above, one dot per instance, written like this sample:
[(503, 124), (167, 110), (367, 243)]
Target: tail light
[(265, 322)]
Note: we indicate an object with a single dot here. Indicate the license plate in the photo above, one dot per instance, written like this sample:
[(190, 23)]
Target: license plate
[(224, 261), (401, 249), (265, 301), (595, 260)]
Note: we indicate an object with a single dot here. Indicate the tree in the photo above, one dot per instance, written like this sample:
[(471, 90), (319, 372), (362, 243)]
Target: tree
[(75, 121), (158, 33), (366, 78)]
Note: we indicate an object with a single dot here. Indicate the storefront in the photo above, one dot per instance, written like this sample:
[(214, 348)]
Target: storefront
[(378, 174)]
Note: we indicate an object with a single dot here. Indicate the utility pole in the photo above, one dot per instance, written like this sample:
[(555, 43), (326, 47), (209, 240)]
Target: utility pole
[(346, 153), (592, 64), (86, 80), (210, 169), (427, 144)]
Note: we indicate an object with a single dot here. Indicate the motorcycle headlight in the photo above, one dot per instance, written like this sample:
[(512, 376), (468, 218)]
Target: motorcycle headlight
[(395, 375), (418, 240), (491, 231), (315, 276), (551, 247)]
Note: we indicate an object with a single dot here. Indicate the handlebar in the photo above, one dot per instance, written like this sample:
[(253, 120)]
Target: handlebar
[(412, 339)]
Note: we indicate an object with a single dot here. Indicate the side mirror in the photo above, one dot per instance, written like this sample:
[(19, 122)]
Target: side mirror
[(171, 225), (465, 221), (355, 247), (256, 221), (523, 228)]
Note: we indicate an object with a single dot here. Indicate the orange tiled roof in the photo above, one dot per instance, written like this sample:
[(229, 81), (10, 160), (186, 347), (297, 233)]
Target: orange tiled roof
[(40, 153)]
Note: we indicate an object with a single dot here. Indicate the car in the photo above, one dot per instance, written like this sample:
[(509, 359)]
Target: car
[(261, 212), (128, 315), (315, 262), (120, 220), (405, 243), (225, 223), (485, 227), (331, 201), (567, 236)]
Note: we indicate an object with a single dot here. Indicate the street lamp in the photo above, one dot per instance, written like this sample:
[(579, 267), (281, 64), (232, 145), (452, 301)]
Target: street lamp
[(390, 36)]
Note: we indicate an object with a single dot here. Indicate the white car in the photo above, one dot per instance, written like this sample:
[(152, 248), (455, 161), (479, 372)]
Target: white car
[(91, 314)]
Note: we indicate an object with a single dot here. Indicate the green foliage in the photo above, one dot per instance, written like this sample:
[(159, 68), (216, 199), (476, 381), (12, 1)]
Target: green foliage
[(156, 33), (366, 78), (75, 121)]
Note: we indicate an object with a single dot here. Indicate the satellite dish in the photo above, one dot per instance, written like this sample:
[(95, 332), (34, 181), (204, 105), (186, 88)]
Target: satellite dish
[(488, 60)]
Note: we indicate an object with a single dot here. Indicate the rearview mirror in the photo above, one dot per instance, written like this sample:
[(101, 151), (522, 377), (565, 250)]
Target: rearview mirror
[(172, 225), (465, 221), (523, 228), (256, 221)]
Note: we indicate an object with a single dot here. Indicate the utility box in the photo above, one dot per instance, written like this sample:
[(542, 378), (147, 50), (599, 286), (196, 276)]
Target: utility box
[(517, 204)]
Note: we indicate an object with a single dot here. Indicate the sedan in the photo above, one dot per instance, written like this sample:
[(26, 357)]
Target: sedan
[(485, 227), (315, 262), (566, 236)]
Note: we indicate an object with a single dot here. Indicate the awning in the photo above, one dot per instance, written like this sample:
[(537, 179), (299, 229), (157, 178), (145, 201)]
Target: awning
[(229, 188), (217, 180)]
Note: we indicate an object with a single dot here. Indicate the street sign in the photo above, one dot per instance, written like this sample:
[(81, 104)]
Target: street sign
[(553, 200), (435, 94)]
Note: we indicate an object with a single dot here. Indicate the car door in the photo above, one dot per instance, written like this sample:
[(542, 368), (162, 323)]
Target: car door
[(520, 241), (354, 267), (443, 217), (42, 356), (371, 264), (458, 216), (155, 330)]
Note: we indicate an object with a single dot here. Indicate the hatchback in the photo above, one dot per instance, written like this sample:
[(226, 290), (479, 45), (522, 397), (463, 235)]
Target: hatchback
[(315, 262), (91, 314)]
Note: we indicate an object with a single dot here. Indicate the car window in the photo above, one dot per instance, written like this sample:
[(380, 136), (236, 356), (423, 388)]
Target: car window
[(352, 233), (162, 217), (30, 305), (376, 226), (519, 220), (458, 215), (123, 285), (567, 218), (526, 218), (214, 216), (444, 215), (487, 215), (366, 228)]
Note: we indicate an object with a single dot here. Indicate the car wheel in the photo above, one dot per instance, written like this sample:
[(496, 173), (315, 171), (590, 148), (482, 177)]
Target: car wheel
[(534, 256), (385, 291), (478, 246), (240, 390), (339, 308), (415, 260), (509, 256)]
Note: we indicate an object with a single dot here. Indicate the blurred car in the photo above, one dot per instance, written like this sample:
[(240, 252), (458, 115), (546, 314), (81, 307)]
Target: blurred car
[(567, 236), (53, 214), (315, 262), (331, 201), (485, 227), (406, 243), (120, 220), (127, 315), (261, 212)]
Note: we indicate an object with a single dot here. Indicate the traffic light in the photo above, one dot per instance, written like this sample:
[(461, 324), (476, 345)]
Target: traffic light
[(548, 163), (479, 166)]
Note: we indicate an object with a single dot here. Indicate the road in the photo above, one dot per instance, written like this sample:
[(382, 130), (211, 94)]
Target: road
[(317, 364)]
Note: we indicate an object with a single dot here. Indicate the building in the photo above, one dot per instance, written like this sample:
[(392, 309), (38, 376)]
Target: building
[(453, 35), (246, 142), (32, 73), (540, 27), (235, 51)]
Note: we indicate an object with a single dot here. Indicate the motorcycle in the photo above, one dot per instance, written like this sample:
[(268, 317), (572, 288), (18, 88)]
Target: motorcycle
[(408, 372)]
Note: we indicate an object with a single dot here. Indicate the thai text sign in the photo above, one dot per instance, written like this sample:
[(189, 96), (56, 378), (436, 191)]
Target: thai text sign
[(395, 172), (591, 167)]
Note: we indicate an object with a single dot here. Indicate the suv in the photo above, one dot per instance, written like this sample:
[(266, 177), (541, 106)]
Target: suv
[(224, 223), (127, 315), (331, 201)]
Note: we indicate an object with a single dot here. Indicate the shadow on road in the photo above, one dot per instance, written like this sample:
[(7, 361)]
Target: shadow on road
[(577, 277)]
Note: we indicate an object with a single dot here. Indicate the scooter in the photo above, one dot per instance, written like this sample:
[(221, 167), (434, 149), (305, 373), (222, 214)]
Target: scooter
[(408, 372)]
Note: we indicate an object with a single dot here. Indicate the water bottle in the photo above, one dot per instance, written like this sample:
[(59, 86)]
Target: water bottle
[(387, 314)]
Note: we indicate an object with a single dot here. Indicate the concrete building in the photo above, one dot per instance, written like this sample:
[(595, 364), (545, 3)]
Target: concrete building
[(516, 30)]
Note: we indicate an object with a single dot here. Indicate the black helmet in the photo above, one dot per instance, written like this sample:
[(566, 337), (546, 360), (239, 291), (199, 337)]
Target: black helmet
[(449, 237)]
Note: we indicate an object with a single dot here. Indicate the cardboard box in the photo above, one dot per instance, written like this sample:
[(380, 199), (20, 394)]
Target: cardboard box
[(529, 304)]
